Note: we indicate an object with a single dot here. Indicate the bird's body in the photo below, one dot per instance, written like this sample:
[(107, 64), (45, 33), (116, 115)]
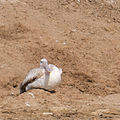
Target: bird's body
[(55, 77), (47, 77)]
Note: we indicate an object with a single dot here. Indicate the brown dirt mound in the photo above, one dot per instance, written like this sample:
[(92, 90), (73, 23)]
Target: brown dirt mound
[(80, 36)]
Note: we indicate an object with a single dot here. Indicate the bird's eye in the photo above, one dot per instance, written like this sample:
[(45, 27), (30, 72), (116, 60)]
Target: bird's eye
[(41, 62)]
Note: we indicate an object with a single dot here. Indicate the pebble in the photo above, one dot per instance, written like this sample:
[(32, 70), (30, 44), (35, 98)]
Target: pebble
[(27, 104)]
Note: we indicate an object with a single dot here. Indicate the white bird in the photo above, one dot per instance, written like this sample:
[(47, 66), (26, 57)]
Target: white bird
[(46, 77)]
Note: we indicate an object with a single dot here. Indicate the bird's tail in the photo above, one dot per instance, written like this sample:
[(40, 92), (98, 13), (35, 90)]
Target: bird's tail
[(25, 83), (60, 70), (22, 88)]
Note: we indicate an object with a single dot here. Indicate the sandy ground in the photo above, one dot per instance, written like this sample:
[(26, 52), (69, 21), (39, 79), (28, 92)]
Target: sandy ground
[(80, 36)]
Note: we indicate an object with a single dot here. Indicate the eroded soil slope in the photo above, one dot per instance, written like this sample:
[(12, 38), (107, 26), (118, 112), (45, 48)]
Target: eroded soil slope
[(80, 36)]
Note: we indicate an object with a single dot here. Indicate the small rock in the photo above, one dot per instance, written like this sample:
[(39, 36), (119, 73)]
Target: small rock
[(73, 30), (27, 104), (31, 94), (64, 43), (12, 93), (47, 113), (40, 37)]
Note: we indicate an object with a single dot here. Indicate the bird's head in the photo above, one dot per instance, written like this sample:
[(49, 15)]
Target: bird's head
[(43, 62)]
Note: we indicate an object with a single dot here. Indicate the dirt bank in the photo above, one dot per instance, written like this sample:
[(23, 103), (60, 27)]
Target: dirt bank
[(80, 36)]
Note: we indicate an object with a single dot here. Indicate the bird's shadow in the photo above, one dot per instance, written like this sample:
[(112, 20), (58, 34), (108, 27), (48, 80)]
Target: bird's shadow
[(50, 91)]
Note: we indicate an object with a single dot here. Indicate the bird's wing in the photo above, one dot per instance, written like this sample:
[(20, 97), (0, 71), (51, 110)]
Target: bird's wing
[(31, 76)]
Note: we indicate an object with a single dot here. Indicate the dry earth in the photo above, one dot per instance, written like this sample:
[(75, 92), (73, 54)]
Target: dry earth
[(80, 36)]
